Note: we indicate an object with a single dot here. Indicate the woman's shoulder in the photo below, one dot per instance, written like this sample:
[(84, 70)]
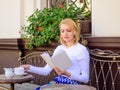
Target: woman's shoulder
[(60, 46), (80, 46)]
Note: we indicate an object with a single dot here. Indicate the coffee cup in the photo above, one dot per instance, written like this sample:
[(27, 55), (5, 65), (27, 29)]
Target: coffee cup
[(19, 71)]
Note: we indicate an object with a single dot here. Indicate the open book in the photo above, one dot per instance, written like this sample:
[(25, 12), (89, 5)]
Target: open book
[(61, 60)]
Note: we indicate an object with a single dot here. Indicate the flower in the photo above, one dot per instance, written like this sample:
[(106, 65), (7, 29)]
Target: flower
[(61, 5), (40, 29)]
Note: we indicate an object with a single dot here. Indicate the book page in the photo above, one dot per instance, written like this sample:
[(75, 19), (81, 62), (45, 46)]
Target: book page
[(60, 60), (47, 58)]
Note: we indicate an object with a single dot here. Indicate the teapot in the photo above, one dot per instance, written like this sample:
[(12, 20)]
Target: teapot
[(9, 73)]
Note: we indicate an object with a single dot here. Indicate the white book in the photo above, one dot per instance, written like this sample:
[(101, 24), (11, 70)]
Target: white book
[(60, 60)]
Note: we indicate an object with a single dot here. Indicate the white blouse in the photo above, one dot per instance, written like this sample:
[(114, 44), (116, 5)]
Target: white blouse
[(80, 59)]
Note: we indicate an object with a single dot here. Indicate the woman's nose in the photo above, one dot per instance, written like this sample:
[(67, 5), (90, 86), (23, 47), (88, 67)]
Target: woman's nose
[(65, 33)]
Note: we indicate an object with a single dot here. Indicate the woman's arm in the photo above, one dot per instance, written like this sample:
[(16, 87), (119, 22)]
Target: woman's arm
[(60, 72), (38, 70), (84, 63), (84, 74)]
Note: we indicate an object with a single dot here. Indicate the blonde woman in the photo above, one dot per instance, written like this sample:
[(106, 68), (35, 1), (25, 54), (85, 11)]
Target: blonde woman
[(78, 54)]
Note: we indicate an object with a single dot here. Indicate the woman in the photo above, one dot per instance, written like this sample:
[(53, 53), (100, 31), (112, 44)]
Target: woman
[(78, 54)]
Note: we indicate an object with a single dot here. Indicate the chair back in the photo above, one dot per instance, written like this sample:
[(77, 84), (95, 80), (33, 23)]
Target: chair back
[(105, 69), (35, 59)]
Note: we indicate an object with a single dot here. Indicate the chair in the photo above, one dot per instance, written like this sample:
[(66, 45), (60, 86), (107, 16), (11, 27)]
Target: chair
[(35, 59), (105, 69)]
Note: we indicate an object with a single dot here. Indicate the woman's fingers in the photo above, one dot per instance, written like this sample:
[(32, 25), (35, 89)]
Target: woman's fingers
[(58, 71), (26, 67)]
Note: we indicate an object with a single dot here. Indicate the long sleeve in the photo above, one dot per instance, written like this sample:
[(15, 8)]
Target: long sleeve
[(40, 70), (83, 76)]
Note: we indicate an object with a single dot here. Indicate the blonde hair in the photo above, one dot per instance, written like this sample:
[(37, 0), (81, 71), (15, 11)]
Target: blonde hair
[(74, 28)]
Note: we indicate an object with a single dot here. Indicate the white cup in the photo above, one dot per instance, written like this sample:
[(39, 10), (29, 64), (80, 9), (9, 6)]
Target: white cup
[(19, 71), (9, 73)]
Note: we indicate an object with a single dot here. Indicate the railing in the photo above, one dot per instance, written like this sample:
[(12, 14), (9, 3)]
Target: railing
[(76, 3)]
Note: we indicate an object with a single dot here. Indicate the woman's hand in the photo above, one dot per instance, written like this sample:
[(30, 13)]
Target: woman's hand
[(60, 72), (26, 67)]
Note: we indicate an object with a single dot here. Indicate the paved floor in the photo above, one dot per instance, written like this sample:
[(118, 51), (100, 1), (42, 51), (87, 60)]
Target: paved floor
[(24, 86)]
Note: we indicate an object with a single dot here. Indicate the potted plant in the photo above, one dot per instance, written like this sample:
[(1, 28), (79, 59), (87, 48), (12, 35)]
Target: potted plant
[(85, 17), (43, 24)]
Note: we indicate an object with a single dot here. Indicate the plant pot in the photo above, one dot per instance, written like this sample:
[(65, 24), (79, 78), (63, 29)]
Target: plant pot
[(85, 26)]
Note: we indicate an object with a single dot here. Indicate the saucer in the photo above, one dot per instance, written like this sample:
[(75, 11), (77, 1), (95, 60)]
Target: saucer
[(22, 74), (25, 73)]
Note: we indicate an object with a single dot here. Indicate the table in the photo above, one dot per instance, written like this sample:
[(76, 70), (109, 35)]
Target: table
[(67, 87), (15, 79)]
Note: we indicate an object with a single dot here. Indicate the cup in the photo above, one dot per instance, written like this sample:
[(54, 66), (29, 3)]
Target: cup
[(9, 73), (19, 71)]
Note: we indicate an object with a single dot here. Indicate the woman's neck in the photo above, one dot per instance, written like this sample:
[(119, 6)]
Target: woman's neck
[(69, 44)]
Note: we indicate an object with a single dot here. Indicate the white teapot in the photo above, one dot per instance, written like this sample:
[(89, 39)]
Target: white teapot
[(9, 73)]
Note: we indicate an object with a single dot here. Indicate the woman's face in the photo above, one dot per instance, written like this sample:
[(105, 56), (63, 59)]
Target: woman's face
[(66, 33)]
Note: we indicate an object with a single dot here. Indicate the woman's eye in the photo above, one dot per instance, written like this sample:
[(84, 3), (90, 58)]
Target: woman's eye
[(62, 31), (68, 30)]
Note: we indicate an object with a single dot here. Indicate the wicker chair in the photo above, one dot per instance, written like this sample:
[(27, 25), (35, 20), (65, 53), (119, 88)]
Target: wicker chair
[(35, 59), (105, 72)]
